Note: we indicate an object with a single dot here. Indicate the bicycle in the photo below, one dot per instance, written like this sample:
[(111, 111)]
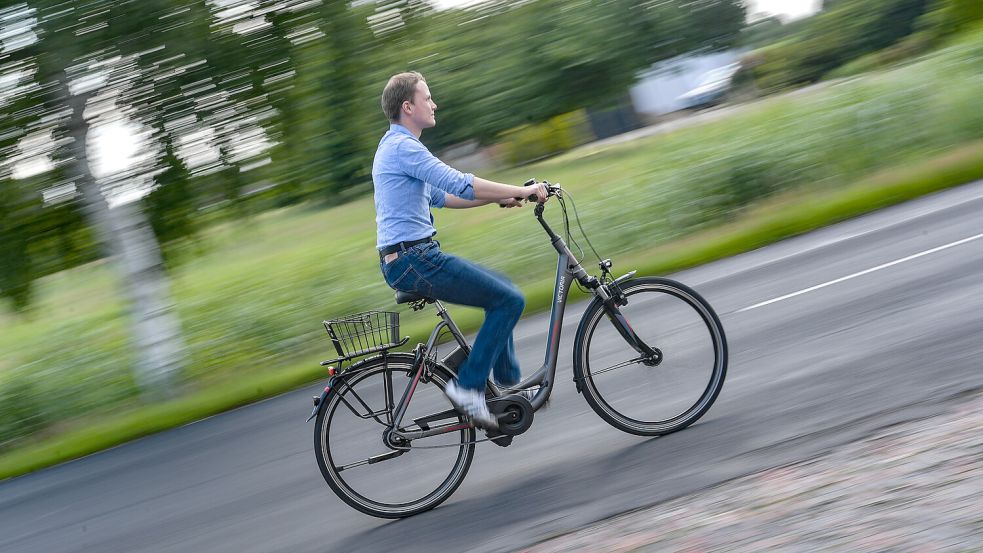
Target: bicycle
[(438, 442)]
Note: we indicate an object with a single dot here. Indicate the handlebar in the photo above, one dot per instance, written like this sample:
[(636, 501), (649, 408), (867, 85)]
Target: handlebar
[(551, 190)]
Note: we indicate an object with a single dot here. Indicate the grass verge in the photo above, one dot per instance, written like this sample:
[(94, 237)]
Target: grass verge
[(766, 222)]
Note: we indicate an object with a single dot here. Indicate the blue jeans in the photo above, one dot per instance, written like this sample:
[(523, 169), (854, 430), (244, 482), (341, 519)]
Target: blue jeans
[(424, 269)]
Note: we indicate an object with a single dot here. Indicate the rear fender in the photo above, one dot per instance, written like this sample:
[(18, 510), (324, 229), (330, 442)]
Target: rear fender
[(339, 379), (319, 401)]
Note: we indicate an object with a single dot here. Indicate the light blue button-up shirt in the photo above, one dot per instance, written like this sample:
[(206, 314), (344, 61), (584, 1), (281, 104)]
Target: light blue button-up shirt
[(408, 181)]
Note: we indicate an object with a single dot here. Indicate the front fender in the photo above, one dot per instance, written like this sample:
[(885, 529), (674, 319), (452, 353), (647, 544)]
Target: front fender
[(578, 341)]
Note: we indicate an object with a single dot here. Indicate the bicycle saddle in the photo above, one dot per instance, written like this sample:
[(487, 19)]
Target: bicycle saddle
[(409, 297)]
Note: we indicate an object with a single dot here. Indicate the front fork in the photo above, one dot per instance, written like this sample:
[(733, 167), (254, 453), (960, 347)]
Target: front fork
[(616, 299)]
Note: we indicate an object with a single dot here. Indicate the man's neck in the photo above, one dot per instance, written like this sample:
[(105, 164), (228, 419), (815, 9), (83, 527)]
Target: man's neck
[(417, 132)]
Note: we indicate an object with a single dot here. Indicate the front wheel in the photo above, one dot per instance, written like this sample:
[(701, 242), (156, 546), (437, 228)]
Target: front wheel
[(642, 394)]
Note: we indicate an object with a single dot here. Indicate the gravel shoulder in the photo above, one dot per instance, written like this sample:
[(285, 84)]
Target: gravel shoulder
[(914, 486)]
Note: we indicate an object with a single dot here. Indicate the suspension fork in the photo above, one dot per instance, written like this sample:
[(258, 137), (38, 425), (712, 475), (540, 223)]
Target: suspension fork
[(612, 308)]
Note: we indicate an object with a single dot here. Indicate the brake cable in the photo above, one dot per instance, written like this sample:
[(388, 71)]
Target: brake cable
[(579, 225), (569, 235)]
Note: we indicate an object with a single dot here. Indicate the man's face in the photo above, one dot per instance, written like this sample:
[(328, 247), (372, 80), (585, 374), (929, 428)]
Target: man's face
[(422, 108)]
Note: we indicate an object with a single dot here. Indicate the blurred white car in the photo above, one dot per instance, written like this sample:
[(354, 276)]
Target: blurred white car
[(713, 86)]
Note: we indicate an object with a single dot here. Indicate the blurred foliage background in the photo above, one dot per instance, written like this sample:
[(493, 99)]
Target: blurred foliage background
[(184, 184)]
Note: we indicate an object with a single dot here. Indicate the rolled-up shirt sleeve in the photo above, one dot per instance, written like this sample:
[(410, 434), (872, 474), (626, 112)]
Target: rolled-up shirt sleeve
[(418, 162), (437, 197)]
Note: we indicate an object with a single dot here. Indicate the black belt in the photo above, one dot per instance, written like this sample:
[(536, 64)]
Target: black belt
[(402, 246)]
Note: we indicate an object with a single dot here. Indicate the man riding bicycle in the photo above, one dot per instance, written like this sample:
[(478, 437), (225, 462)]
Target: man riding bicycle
[(408, 182)]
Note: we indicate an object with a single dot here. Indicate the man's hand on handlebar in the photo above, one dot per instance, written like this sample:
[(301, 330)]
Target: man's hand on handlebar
[(531, 191), (536, 192)]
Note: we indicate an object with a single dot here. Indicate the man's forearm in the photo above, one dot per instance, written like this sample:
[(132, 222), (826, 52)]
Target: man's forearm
[(490, 190), (453, 202)]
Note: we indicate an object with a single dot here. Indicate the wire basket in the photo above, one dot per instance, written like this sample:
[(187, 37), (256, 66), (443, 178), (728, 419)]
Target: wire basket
[(363, 333)]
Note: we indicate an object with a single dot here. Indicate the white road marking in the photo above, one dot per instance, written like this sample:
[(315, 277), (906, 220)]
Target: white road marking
[(894, 222), (861, 273)]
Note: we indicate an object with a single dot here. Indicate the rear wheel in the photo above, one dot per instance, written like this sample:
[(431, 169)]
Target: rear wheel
[(634, 394), (371, 471)]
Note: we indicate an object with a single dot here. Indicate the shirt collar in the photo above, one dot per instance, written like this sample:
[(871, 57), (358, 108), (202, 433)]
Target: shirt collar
[(396, 127)]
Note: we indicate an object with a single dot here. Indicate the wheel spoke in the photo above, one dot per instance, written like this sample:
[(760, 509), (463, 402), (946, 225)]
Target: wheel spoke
[(371, 460), (634, 361)]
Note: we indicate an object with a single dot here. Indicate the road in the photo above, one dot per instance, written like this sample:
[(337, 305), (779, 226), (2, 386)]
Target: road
[(832, 334)]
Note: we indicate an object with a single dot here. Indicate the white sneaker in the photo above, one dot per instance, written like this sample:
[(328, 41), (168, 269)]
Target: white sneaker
[(471, 403)]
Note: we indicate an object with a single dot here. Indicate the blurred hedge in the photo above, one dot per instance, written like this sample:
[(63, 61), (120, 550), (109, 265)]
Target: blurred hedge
[(557, 135)]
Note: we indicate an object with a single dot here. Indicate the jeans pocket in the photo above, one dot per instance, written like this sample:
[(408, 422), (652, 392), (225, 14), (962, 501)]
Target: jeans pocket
[(393, 267), (412, 281), (428, 254)]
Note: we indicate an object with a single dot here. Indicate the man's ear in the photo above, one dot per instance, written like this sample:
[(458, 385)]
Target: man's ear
[(406, 107)]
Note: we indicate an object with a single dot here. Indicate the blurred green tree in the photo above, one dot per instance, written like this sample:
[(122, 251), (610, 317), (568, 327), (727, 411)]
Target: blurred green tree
[(843, 32), (18, 213), (95, 62), (953, 16), (171, 205), (348, 44), (510, 63)]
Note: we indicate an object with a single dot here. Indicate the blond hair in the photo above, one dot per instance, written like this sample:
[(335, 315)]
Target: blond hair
[(399, 89)]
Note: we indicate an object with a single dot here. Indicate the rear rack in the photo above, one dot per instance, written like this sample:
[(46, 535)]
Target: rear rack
[(363, 333)]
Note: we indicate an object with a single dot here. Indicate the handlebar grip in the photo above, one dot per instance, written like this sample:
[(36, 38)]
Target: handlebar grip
[(529, 182), (532, 197)]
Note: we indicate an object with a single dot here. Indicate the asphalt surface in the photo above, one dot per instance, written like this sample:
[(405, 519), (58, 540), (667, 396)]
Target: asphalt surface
[(882, 321)]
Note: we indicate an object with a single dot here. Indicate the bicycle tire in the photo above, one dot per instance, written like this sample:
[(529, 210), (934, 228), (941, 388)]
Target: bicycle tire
[(358, 375), (652, 301)]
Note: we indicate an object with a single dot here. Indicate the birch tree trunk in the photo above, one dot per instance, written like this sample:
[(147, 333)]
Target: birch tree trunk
[(127, 237)]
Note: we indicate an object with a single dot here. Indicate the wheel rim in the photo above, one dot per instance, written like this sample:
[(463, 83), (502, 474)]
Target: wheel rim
[(416, 480), (667, 397)]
